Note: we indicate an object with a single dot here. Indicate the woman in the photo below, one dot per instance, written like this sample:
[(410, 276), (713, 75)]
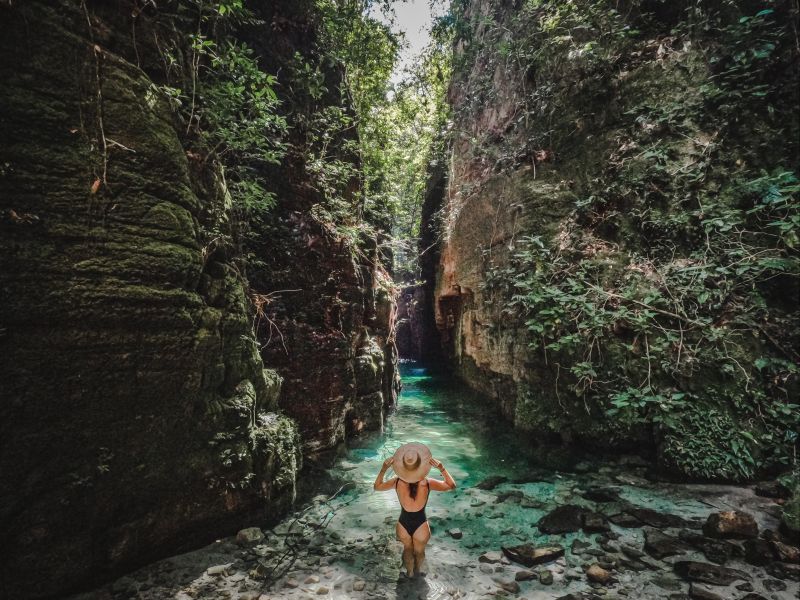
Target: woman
[(412, 462)]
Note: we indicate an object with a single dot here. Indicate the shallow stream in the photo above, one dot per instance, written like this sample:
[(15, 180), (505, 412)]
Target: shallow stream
[(341, 542)]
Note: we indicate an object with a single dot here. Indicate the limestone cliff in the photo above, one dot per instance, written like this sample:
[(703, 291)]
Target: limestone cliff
[(603, 241), (137, 416)]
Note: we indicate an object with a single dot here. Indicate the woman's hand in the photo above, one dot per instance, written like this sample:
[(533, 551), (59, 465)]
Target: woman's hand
[(435, 463), (388, 462)]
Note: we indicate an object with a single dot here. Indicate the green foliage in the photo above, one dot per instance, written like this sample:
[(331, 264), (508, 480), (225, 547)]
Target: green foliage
[(397, 129), (237, 118), (230, 108), (665, 295)]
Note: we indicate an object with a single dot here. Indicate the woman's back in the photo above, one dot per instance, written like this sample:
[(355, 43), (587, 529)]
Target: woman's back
[(408, 503)]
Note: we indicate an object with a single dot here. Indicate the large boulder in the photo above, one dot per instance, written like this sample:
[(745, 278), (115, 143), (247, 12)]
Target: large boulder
[(731, 524)]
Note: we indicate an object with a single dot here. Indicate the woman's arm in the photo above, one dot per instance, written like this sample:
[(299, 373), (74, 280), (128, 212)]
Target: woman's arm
[(380, 485), (441, 486)]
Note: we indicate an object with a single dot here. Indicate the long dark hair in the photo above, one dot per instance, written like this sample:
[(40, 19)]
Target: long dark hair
[(412, 489)]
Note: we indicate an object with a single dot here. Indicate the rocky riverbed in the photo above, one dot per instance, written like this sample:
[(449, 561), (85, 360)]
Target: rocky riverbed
[(585, 529), (658, 550)]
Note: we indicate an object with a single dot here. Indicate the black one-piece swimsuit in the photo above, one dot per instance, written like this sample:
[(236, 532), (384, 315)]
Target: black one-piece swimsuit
[(411, 520)]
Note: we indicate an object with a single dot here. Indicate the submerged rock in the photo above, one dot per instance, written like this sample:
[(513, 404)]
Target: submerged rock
[(602, 495), (708, 573), (524, 575), (717, 551), (564, 519), (702, 592), (594, 522), (528, 555), (579, 546), (597, 574), (731, 524), (660, 520), (491, 482), (660, 545), (491, 557)]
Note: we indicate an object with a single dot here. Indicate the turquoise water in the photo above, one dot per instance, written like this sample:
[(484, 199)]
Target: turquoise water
[(460, 428)]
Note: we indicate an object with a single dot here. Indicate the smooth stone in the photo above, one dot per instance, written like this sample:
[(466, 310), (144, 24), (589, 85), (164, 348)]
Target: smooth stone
[(322, 590), (359, 584), (545, 577), (510, 586), (491, 557), (597, 574), (528, 555), (524, 575), (456, 533), (311, 579), (699, 591), (625, 520)]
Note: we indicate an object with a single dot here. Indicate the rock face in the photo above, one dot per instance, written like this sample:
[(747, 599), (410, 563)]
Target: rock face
[(136, 412), (329, 327), (553, 198)]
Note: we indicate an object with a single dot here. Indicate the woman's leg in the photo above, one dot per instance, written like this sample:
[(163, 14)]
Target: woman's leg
[(420, 540), (408, 548)]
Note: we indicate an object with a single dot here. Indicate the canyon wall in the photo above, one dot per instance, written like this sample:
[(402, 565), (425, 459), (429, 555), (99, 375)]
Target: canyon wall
[(145, 406), (622, 188)]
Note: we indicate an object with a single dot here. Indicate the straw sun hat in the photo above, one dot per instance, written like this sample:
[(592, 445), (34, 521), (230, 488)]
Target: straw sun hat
[(412, 462)]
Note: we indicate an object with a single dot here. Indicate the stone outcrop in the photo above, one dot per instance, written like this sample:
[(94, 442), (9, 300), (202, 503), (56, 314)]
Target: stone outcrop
[(544, 127), (141, 409), (329, 325)]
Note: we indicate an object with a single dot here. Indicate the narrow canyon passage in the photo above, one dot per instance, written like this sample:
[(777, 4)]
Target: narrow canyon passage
[(340, 543), (228, 227)]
